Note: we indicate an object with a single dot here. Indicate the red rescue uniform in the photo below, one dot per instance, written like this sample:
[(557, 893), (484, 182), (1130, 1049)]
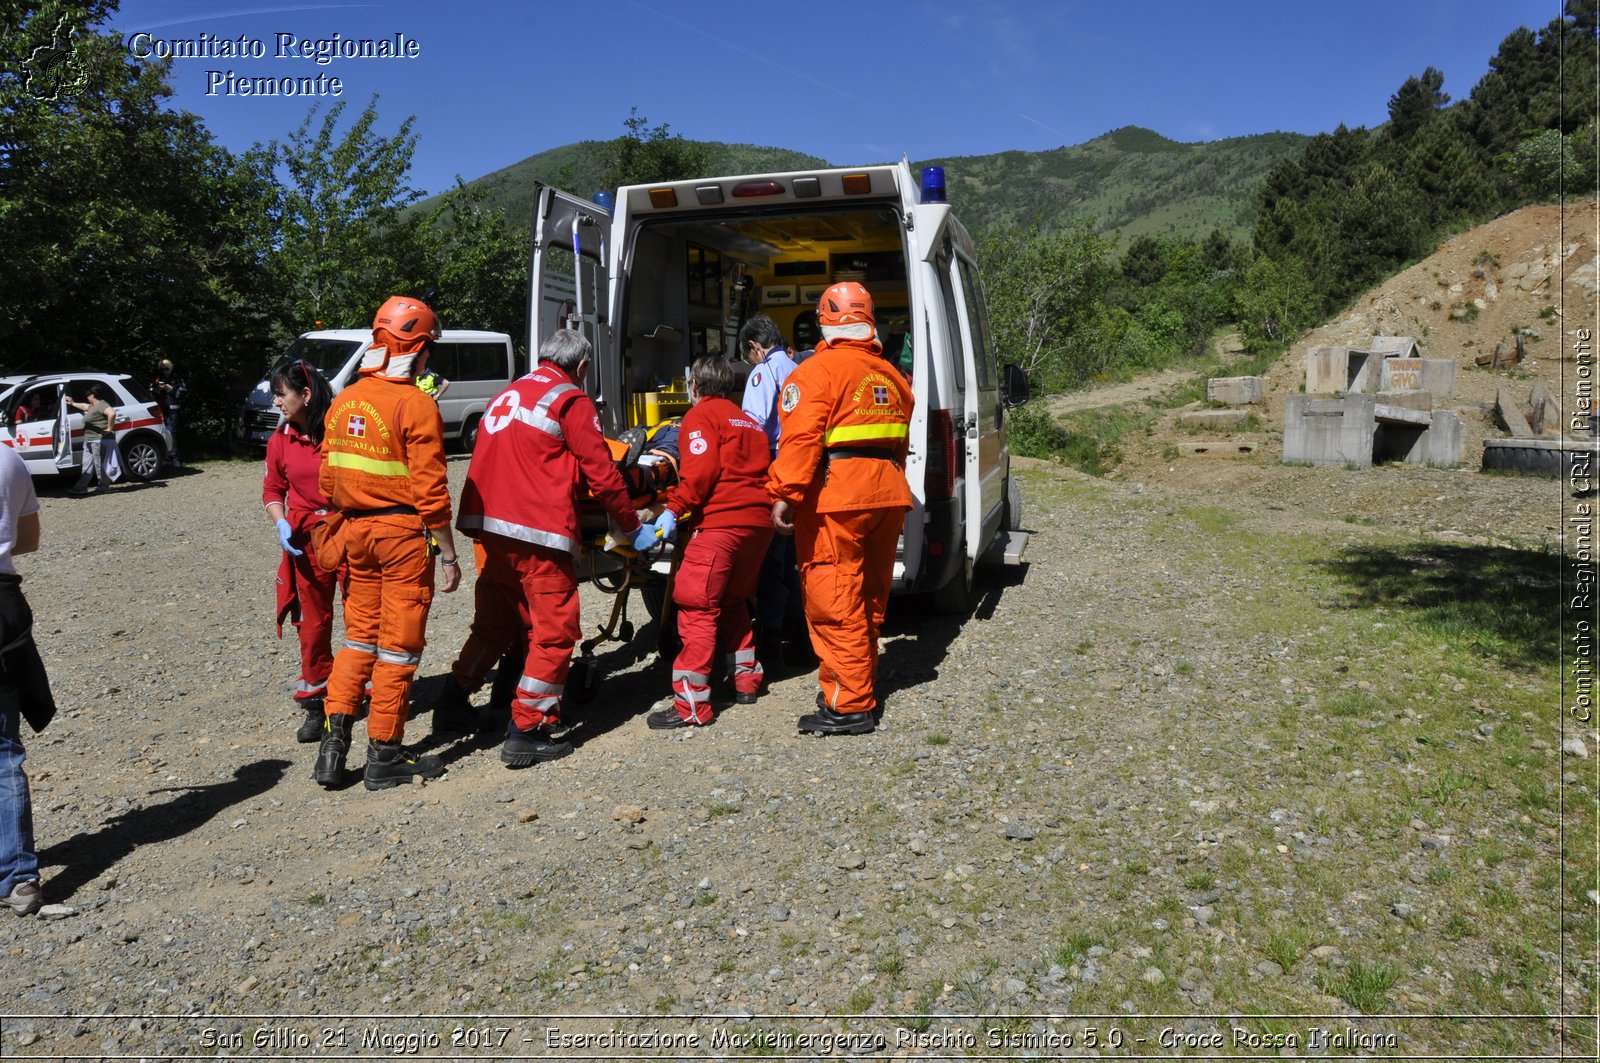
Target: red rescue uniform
[(845, 419), (305, 591), (723, 457), (539, 443), (384, 468)]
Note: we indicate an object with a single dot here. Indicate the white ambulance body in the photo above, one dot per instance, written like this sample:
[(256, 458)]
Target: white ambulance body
[(671, 272)]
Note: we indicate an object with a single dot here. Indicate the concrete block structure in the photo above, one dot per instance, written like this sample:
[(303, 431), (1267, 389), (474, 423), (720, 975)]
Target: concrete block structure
[(1394, 363), (1237, 390), (1331, 370), (1356, 430), (1395, 347), (1439, 377), (1219, 419)]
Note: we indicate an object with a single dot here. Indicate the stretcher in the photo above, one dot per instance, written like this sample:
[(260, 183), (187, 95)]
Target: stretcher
[(647, 459)]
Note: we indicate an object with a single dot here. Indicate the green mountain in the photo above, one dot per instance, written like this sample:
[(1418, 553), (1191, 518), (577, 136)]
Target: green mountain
[(1129, 182)]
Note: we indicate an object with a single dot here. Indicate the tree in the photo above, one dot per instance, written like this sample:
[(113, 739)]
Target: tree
[(1044, 292), (1142, 262), (1417, 103), (473, 262), (345, 237), (126, 233), (1272, 302), (1545, 164), (643, 154)]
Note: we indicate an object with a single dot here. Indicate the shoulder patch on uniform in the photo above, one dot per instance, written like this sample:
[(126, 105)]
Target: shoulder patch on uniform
[(755, 378), (791, 397), (697, 445)]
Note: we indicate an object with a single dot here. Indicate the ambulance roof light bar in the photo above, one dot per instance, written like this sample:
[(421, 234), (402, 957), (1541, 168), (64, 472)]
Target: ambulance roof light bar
[(933, 184)]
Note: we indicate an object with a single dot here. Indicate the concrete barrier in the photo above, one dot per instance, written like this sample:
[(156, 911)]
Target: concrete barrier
[(1237, 390), (1356, 430), (1218, 419), (1319, 431)]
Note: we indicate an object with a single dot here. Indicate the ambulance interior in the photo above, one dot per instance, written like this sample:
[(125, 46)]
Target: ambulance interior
[(694, 280)]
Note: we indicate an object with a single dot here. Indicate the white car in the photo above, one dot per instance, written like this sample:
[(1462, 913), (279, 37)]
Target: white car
[(28, 409)]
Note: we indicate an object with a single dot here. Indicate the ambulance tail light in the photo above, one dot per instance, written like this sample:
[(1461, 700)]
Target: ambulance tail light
[(856, 184), (933, 184), (941, 457), (661, 198)]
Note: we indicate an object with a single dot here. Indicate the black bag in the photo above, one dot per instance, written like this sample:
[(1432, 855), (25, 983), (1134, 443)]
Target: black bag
[(23, 679)]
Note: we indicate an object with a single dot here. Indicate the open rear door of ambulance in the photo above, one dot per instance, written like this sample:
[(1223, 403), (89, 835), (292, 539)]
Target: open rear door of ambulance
[(568, 285)]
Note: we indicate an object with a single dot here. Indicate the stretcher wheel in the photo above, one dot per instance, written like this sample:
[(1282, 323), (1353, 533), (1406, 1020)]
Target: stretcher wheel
[(626, 631), (583, 681)]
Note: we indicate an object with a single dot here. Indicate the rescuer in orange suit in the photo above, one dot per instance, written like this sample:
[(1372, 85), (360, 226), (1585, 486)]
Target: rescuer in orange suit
[(540, 441), (383, 468), (839, 485)]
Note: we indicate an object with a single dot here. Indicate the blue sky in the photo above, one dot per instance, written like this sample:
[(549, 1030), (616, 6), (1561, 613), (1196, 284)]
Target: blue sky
[(493, 83)]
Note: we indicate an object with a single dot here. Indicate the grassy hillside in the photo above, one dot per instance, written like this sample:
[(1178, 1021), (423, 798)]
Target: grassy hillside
[(1127, 183)]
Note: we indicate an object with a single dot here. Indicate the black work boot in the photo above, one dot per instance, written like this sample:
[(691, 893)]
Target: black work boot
[(390, 765), (827, 722), (877, 706), (523, 748), (455, 712), (311, 726), (335, 747)]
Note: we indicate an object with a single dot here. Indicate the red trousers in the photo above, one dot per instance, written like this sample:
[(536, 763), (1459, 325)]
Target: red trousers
[(314, 591), (523, 589), (846, 566), (385, 621), (719, 574), (305, 598)]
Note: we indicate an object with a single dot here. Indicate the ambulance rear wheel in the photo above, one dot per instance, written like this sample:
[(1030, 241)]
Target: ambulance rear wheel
[(1013, 503), (469, 434)]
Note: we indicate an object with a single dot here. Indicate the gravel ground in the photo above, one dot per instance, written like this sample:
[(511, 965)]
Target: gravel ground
[(1078, 804)]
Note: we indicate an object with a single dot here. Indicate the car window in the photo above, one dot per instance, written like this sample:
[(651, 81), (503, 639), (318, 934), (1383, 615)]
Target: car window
[(477, 361), (978, 325), (137, 389), (40, 403), (326, 356)]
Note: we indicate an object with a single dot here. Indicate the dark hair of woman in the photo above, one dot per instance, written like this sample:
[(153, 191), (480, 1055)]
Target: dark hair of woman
[(297, 376)]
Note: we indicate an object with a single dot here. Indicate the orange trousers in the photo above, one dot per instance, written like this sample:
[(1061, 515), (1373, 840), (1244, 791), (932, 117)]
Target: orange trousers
[(385, 621), (846, 566), (525, 593)]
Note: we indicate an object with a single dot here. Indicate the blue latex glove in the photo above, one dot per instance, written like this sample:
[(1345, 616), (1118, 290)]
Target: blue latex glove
[(667, 523), (285, 532), (645, 538)]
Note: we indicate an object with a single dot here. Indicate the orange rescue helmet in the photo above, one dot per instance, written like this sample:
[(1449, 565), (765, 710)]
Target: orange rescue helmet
[(404, 325), (845, 303)]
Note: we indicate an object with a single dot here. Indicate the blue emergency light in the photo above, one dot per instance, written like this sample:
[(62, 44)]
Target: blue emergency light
[(606, 201), (933, 184)]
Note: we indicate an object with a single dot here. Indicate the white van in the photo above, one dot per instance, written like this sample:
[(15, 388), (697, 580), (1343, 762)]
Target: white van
[(665, 273), (478, 365)]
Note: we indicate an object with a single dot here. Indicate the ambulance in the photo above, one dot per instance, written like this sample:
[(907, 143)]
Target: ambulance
[(657, 275)]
